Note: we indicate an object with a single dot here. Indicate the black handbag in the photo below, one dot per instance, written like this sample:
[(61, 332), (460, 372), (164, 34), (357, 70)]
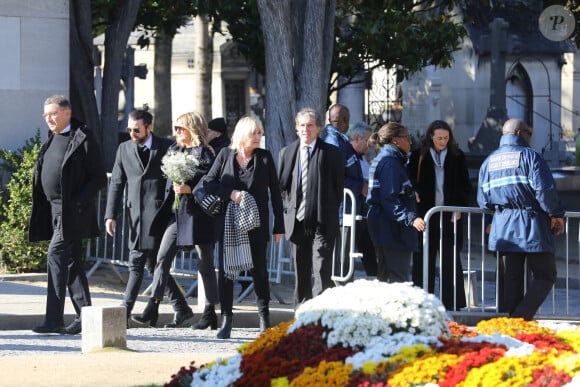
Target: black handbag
[(211, 204)]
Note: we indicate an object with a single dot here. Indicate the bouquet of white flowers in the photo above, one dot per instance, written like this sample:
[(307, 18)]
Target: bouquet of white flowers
[(180, 167)]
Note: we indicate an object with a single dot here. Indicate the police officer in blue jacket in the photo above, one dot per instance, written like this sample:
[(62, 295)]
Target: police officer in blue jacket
[(517, 184)]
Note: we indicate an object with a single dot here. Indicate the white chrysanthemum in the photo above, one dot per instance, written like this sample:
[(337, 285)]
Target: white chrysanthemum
[(381, 348), (558, 326), (363, 309), (516, 348), (223, 373)]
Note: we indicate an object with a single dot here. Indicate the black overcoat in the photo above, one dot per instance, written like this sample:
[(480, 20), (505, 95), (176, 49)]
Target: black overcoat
[(82, 176)]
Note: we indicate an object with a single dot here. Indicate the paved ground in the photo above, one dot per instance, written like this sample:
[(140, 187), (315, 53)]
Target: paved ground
[(152, 355)]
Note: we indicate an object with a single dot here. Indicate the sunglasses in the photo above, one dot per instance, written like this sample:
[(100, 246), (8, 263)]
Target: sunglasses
[(136, 130)]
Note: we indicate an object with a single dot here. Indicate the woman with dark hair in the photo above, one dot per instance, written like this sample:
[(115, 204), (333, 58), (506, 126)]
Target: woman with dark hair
[(392, 219), (440, 178), (185, 227)]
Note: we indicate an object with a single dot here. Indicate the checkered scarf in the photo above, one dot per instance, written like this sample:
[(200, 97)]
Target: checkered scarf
[(240, 218)]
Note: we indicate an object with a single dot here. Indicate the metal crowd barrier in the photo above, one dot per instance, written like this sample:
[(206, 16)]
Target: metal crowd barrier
[(344, 259), (481, 279), (114, 252), (481, 267)]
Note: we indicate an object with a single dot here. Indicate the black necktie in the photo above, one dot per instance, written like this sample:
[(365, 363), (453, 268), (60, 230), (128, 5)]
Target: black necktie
[(304, 159), (144, 155)]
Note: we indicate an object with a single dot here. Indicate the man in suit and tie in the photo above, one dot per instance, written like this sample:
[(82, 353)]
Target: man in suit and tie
[(311, 175), (138, 167)]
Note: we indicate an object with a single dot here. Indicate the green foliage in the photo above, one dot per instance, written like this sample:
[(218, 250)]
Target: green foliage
[(394, 33), (10, 160), (154, 17), (368, 33), (16, 253)]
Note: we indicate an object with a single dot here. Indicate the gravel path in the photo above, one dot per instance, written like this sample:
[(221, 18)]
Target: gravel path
[(181, 340)]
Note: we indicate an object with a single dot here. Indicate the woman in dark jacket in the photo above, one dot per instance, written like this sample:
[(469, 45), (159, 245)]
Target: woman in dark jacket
[(247, 168), (440, 177), (185, 227), (392, 219)]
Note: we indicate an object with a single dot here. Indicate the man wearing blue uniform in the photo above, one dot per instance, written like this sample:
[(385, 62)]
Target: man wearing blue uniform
[(517, 184), (335, 134)]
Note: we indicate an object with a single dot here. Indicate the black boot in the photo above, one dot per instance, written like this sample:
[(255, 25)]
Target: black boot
[(208, 319), (150, 314), (179, 318), (264, 322), (226, 328)]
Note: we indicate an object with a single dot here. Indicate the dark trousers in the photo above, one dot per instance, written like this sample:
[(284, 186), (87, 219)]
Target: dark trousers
[(393, 265), (258, 247), (162, 277), (138, 261), (543, 269), (312, 263), (365, 246), (64, 270), (448, 290)]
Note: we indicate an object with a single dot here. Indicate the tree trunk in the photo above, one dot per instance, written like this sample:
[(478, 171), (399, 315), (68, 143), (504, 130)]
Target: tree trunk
[(162, 78), (116, 38), (82, 90), (298, 58), (203, 56)]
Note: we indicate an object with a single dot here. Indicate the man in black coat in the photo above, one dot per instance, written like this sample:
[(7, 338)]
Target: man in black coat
[(311, 209), (138, 167), (68, 175)]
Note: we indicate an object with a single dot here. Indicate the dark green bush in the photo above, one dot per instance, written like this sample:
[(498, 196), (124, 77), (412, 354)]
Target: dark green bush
[(16, 253)]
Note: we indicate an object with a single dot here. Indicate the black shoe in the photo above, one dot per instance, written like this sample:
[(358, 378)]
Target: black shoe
[(208, 319), (226, 330), (179, 318), (74, 328), (150, 314), (49, 329)]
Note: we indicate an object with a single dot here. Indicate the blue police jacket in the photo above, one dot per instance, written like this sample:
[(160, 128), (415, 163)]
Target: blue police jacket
[(391, 200), (518, 185)]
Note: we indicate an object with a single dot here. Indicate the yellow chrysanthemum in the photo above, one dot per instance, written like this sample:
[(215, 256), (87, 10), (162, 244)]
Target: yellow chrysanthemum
[(332, 373), (428, 369), (567, 362), (572, 338), (410, 354), (280, 382), (507, 371), (369, 367), (267, 339), (510, 326)]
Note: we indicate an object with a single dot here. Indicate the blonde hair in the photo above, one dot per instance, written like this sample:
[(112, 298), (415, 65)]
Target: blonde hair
[(245, 127), (196, 125)]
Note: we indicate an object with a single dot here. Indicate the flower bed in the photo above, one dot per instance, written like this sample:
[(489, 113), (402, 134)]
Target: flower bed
[(370, 333)]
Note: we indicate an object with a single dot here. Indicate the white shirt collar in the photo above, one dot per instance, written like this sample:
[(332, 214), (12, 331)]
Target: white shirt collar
[(65, 130), (148, 143)]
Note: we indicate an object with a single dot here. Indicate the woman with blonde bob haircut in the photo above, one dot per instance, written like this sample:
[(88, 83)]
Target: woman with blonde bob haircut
[(187, 226), (195, 124), (245, 169)]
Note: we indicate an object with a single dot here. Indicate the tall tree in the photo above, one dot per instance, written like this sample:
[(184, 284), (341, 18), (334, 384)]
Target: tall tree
[(160, 20), (82, 91), (162, 83), (298, 42), (117, 31), (203, 57)]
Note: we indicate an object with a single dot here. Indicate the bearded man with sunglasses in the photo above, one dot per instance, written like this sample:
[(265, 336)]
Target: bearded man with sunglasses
[(138, 167)]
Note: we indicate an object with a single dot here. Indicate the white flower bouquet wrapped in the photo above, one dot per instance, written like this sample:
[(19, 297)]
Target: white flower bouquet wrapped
[(180, 167)]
